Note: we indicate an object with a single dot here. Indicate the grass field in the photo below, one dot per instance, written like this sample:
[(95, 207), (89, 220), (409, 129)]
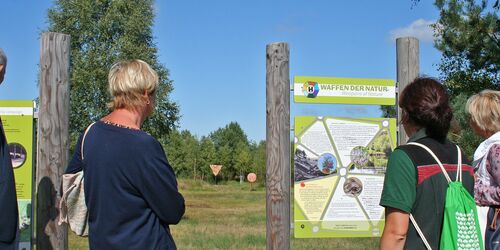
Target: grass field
[(230, 216)]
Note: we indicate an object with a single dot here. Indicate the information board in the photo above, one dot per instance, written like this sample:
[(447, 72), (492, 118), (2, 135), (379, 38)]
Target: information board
[(314, 89), (17, 120), (339, 174)]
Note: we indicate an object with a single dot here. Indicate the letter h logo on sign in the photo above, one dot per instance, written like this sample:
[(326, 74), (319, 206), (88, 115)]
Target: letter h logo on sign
[(310, 89)]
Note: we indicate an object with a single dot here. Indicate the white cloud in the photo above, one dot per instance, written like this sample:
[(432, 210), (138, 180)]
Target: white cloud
[(421, 29)]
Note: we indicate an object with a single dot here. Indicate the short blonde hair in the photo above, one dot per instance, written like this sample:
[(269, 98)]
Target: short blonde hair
[(129, 81), (484, 109)]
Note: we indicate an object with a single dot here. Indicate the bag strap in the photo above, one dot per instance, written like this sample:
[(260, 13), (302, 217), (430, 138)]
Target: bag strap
[(63, 206), (414, 222), (83, 139), (459, 164), (458, 178)]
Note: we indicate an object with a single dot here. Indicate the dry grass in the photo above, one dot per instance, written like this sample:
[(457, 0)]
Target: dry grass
[(221, 217), (230, 216)]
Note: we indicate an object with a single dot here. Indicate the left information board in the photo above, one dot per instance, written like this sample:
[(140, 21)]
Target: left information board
[(17, 120)]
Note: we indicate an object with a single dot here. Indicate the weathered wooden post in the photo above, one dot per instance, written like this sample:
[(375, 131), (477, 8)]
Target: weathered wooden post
[(53, 141), (408, 67), (278, 146)]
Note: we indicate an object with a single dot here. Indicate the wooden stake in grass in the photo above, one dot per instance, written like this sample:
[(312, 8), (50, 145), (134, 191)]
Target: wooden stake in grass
[(278, 146), (53, 138)]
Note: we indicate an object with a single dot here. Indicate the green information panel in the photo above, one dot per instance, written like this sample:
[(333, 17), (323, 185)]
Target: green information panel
[(17, 120), (313, 89), (339, 174)]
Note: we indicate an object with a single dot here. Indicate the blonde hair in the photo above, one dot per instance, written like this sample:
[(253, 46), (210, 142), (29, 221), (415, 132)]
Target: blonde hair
[(484, 109), (129, 81)]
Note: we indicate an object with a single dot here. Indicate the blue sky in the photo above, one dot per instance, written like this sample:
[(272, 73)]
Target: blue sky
[(215, 51)]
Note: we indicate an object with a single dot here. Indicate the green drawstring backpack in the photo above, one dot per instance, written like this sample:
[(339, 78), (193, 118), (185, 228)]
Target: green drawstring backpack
[(460, 224)]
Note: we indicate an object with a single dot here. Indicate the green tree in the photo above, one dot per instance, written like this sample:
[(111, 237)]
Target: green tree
[(230, 135), (102, 33), (468, 35), (207, 156), (226, 140), (191, 147), (173, 149), (242, 158), (461, 133), (182, 149), (258, 164), (224, 158)]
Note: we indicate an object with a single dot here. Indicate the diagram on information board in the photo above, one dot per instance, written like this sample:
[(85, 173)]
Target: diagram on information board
[(339, 174)]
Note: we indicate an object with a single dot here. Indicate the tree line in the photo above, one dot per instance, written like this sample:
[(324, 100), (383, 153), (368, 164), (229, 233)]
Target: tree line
[(191, 156)]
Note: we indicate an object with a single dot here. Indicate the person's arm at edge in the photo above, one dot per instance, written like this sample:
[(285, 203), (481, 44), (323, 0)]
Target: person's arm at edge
[(75, 164), (397, 197), (488, 195), (395, 230)]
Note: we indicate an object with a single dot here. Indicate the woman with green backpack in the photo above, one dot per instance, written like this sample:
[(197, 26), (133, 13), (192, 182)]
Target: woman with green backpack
[(420, 175)]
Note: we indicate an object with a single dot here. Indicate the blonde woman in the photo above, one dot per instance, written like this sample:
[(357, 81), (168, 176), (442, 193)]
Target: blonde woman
[(130, 188), (484, 110)]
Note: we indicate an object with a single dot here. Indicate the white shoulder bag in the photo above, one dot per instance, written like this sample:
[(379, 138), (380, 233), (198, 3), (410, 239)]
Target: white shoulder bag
[(73, 209)]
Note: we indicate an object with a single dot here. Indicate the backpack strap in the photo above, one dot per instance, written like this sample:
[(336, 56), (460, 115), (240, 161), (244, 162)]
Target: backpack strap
[(458, 178), (414, 222), (459, 164)]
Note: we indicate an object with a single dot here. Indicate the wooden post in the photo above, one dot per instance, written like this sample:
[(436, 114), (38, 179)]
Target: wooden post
[(278, 146), (53, 141), (408, 67)]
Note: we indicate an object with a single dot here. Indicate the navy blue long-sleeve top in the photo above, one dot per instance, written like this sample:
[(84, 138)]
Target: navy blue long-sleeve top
[(130, 189), (8, 199)]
